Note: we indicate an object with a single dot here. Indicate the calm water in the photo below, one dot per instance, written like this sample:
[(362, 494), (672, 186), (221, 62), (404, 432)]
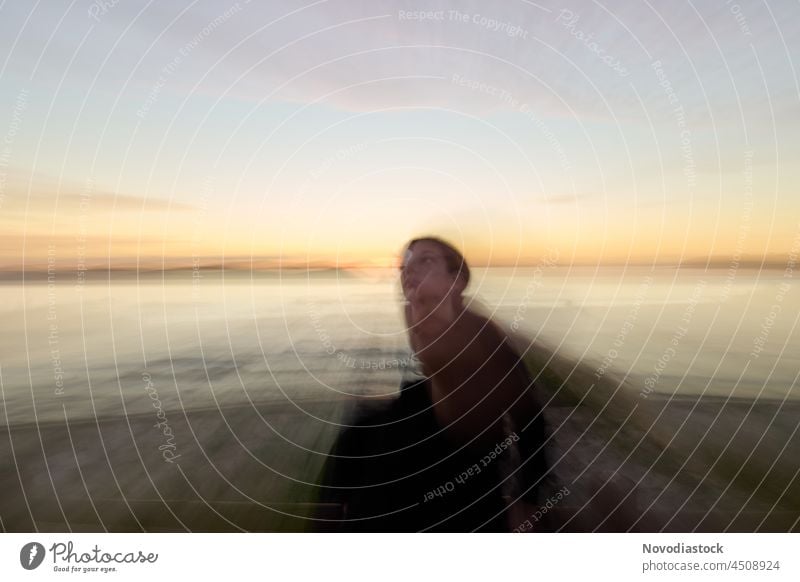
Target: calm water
[(85, 350)]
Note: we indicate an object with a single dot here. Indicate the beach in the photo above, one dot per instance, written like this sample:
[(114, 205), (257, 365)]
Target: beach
[(108, 474), (211, 406)]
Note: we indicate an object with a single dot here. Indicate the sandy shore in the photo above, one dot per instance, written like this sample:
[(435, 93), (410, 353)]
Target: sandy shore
[(651, 462), (235, 473), (629, 464), (238, 468)]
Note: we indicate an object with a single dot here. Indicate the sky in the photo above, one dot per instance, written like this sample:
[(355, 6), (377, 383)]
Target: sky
[(330, 132)]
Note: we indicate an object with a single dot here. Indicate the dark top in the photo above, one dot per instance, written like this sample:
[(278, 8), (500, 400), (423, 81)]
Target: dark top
[(394, 470)]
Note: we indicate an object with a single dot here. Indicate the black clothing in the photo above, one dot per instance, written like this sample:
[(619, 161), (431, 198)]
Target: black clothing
[(396, 471)]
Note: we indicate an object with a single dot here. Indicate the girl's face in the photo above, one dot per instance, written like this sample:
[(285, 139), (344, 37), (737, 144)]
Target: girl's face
[(434, 303), (425, 278)]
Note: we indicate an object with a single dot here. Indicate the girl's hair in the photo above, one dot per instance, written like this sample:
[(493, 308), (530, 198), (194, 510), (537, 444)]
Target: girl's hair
[(455, 261)]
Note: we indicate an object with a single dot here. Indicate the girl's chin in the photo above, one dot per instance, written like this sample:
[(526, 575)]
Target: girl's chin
[(422, 311)]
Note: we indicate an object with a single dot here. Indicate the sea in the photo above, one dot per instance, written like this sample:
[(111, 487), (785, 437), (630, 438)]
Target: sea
[(76, 347)]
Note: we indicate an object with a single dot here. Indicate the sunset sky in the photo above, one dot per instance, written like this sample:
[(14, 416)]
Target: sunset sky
[(330, 132)]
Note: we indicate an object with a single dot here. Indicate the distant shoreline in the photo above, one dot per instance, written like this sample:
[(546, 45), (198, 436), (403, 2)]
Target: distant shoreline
[(188, 274), (239, 273)]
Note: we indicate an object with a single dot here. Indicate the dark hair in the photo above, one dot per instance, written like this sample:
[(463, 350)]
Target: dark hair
[(455, 261)]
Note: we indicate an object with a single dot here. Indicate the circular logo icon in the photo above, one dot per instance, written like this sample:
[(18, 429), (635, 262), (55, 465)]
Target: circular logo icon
[(31, 555)]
